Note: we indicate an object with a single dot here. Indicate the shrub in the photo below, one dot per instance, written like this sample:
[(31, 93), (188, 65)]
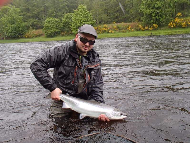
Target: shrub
[(34, 33), (66, 24), (153, 12), (143, 28), (11, 23), (52, 27), (115, 27), (80, 17), (179, 22)]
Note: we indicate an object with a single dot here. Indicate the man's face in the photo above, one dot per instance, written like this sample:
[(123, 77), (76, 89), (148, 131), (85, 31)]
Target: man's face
[(84, 42)]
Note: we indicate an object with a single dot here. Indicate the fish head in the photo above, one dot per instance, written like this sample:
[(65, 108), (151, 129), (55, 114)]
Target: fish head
[(116, 115)]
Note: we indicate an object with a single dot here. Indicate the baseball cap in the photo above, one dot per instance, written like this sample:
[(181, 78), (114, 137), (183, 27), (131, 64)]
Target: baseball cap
[(88, 29)]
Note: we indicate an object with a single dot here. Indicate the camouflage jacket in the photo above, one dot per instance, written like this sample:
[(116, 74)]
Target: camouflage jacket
[(68, 66)]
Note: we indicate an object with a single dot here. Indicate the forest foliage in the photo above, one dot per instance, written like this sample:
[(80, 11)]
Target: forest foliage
[(63, 17)]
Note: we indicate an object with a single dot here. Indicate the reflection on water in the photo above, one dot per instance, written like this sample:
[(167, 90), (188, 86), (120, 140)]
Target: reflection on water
[(146, 77)]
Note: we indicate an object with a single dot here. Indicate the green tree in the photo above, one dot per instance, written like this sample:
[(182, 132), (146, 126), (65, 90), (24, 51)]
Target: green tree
[(153, 12), (133, 13), (80, 17), (11, 23), (57, 8), (98, 12), (66, 23), (35, 12), (52, 27), (182, 6)]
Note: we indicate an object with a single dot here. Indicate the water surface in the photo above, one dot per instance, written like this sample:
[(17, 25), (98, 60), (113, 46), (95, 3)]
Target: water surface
[(146, 77)]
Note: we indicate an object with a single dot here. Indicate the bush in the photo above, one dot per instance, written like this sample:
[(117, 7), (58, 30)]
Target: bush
[(52, 27), (145, 28), (11, 23), (34, 33), (66, 23), (153, 12), (116, 27), (179, 22), (80, 17), (14, 30)]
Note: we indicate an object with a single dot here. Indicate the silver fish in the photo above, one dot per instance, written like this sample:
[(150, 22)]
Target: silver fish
[(91, 108)]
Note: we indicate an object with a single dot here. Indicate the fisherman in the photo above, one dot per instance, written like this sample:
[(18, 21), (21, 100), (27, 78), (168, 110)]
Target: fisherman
[(77, 68)]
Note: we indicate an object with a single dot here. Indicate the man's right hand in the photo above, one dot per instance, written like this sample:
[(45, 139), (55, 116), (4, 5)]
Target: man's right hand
[(55, 94)]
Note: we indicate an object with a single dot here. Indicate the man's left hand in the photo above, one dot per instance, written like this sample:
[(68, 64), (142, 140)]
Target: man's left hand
[(104, 118)]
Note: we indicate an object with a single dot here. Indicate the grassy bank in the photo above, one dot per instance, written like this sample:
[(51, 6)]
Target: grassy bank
[(147, 33), (37, 39), (105, 35)]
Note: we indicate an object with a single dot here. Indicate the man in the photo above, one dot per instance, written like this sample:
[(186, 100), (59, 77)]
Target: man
[(77, 70)]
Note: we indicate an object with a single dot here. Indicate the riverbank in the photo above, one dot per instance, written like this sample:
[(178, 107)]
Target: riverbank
[(105, 35)]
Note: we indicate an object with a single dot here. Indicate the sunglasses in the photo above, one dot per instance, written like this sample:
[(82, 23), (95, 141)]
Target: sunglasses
[(85, 40)]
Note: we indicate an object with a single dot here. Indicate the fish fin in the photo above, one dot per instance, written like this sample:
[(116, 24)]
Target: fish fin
[(65, 106), (82, 116)]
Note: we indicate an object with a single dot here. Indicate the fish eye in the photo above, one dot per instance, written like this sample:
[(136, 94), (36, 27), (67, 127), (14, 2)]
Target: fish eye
[(122, 114)]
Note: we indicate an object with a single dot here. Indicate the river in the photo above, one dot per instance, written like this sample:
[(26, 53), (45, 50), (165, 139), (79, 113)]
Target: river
[(146, 77)]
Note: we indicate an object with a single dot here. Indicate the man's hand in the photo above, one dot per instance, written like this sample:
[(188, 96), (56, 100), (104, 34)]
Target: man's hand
[(104, 118), (55, 94)]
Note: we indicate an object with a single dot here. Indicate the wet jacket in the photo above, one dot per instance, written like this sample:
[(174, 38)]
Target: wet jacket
[(68, 67)]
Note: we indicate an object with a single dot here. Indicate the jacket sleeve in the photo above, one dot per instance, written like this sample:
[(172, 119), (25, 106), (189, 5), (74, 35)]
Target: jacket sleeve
[(96, 92), (48, 59)]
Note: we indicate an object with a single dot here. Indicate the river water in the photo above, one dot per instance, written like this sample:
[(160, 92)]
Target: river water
[(146, 77)]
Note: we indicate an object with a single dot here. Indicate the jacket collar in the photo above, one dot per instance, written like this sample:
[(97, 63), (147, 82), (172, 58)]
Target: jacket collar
[(73, 50)]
